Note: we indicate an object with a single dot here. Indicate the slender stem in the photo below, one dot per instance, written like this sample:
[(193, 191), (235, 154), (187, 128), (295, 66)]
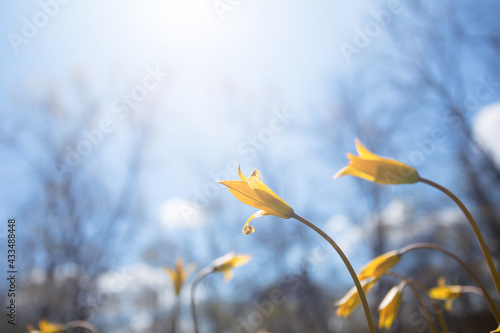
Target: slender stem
[(80, 323), (432, 327), (201, 274), (430, 246), (175, 314), (472, 290), (354, 277), (475, 228), (435, 304), (411, 283), (439, 312)]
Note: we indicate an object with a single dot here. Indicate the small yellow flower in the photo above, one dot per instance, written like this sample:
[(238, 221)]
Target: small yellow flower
[(446, 293), (377, 169), (380, 265), (389, 307), (255, 193), (45, 326), (351, 300), (179, 274), (229, 261)]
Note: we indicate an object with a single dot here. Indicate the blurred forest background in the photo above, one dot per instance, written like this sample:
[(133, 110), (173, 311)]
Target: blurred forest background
[(117, 118)]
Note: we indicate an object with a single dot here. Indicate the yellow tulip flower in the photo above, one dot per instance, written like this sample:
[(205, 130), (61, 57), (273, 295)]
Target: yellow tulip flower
[(45, 326), (229, 261), (389, 307), (446, 293), (351, 300), (377, 169), (380, 265), (253, 192), (179, 274)]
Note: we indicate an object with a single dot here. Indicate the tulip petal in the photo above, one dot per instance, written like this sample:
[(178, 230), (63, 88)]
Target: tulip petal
[(353, 171), (48, 327), (389, 307), (248, 229), (276, 205), (377, 169), (229, 261), (351, 300), (243, 192), (171, 273), (241, 260), (257, 173), (369, 167), (365, 153), (228, 275), (380, 265), (242, 176)]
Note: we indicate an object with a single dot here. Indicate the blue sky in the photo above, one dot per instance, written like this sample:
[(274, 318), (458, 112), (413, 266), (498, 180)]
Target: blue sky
[(228, 81), (227, 74)]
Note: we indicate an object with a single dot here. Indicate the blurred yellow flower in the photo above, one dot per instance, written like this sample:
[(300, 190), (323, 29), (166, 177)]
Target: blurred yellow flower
[(255, 193), (377, 169), (380, 265), (351, 300), (45, 326), (446, 293), (179, 274), (229, 261), (389, 307)]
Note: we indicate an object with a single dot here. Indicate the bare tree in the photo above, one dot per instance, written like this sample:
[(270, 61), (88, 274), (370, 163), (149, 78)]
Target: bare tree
[(79, 205)]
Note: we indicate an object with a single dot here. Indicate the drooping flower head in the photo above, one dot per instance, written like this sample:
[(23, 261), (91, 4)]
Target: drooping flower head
[(351, 300), (446, 292), (229, 261), (179, 274), (253, 192), (389, 306), (380, 265), (45, 326), (377, 169)]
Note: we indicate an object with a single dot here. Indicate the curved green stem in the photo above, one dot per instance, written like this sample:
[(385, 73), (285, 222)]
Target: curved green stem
[(354, 277), (411, 283), (175, 314), (432, 327), (201, 274), (430, 246), (435, 304), (439, 312), (475, 228), (81, 324)]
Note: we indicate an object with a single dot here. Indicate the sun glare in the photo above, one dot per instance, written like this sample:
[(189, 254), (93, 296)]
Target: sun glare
[(185, 20)]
